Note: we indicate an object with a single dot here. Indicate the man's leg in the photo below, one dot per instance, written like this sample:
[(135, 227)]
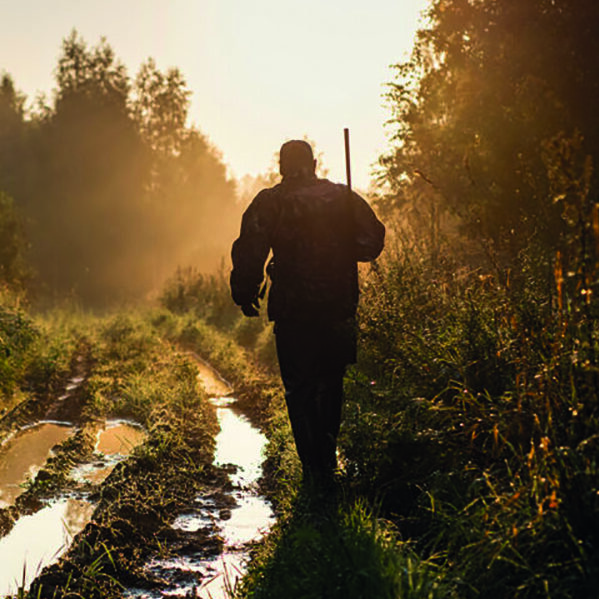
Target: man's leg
[(329, 404), (337, 350), (298, 365), (312, 360)]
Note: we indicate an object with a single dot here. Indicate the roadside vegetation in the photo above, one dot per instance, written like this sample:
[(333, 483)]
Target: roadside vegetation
[(35, 358), (471, 423), (468, 449), (129, 372), (467, 445), (321, 545)]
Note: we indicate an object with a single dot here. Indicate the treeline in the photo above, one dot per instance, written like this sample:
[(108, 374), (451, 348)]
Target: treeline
[(496, 136), (106, 189)]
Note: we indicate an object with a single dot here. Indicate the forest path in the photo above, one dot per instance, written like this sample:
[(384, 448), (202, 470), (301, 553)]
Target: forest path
[(39, 526), (240, 517)]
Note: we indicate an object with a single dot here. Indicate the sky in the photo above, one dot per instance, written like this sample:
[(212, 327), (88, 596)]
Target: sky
[(260, 71)]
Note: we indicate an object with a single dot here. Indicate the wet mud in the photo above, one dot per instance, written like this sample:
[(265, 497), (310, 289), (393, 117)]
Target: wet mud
[(61, 401), (177, 526), (211, 540), (46, 483)]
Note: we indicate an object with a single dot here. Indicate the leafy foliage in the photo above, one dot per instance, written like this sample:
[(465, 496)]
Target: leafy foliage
[(115, 188), (475, 408), (470, 420), (14, 270), (491, 90)]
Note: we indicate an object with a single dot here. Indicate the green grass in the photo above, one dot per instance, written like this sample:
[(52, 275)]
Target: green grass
[(35, 355), (133, 372), (470, 423), (339, 552)]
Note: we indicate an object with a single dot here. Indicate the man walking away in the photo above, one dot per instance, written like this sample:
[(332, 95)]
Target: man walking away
[(317, 231)]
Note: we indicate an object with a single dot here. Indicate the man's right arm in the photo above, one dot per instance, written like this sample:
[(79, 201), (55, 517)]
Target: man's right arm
[(250, 251)]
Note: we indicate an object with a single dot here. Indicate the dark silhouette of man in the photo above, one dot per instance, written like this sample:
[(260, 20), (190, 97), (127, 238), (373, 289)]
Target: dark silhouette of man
[(317, 231)]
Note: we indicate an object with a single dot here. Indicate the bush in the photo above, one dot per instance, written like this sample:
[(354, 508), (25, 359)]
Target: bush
[(471, 419)]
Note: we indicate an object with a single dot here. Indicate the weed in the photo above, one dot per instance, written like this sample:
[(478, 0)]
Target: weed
[(470, 421)]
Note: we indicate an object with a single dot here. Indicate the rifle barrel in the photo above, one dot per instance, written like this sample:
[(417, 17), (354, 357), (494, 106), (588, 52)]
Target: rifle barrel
[(347, 158)]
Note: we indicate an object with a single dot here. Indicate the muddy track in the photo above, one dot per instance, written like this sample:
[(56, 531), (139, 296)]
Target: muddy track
[(57, 494), (238, 517), (130, 524), (65, 406), (161, 519), (62, 400)]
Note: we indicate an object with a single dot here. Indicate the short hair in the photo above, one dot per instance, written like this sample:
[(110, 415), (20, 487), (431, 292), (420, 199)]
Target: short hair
[(296, 155)]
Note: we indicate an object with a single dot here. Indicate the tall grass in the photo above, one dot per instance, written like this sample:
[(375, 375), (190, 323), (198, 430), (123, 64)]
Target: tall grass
[(207, 298), (471, 418), (36, 353), (345, 554)]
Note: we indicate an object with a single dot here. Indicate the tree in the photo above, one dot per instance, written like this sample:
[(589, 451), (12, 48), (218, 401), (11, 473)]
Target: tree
[(116, 189), (12, 134), (189, 195), (89, 176), (490, 89), (14, 270), (160, 107)]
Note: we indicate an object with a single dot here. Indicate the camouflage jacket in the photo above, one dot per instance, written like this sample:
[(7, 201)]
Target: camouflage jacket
[(317, 233)]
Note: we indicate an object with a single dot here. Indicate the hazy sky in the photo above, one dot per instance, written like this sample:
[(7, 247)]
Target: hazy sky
[(261, 71)]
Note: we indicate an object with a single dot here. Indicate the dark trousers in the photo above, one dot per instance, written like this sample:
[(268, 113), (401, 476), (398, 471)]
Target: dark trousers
[(312, 359)]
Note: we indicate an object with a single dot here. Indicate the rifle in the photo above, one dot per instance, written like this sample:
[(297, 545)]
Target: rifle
[(347, 160), (351, 229)]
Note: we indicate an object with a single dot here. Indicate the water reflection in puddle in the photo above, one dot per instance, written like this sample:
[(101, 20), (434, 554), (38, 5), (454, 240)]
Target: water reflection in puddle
[(38, 540), (74, 383), (248, 521), (213, 383), (241, 444), (119, 437), (25, 453), (114, 443)]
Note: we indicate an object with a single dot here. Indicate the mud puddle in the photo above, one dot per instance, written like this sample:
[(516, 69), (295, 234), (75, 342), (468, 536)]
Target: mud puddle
[(114, 443), (39, 540), (23, 455), (24, 452), (239, 445)]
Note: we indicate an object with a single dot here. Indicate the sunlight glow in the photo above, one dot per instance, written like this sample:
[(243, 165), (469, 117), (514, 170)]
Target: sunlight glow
[(260, 72)]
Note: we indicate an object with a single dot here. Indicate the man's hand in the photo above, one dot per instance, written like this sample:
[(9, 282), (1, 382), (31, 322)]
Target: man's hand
[(252, 309)]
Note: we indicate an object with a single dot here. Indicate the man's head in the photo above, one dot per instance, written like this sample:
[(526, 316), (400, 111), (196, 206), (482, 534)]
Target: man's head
[(296, 159)]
